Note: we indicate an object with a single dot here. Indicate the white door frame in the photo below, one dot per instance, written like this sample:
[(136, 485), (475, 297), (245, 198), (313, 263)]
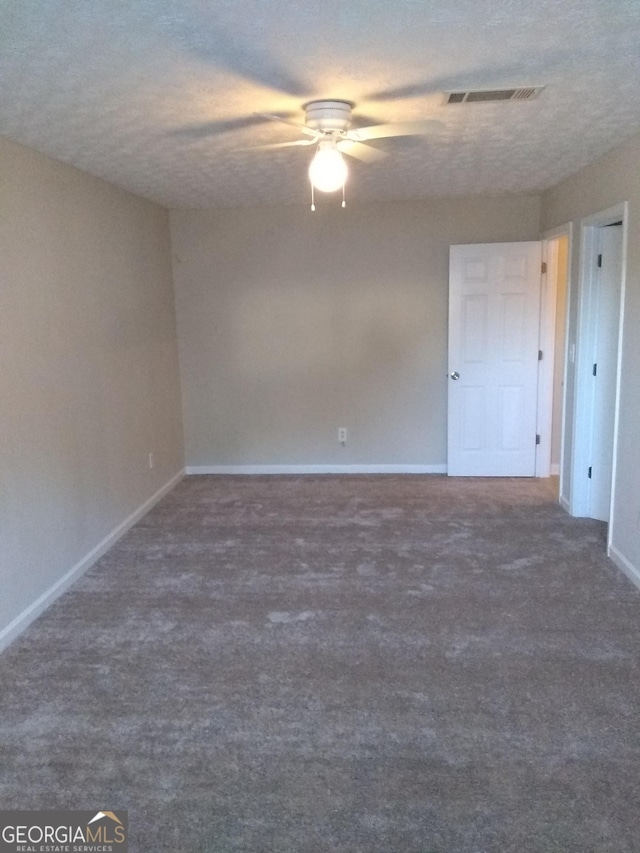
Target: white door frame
[(548, 304), (581, 428)]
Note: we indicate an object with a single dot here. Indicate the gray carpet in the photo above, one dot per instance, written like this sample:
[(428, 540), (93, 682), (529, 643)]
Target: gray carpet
[(394, 664)]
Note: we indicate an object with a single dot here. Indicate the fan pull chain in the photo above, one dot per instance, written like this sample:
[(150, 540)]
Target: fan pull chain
[(313, 198)]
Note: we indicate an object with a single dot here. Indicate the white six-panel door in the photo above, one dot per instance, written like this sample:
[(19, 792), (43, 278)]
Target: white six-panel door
[(494, 319)]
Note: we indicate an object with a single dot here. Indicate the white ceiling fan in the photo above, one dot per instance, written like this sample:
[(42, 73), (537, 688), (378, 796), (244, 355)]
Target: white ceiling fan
[(331, 120), (328, 127)]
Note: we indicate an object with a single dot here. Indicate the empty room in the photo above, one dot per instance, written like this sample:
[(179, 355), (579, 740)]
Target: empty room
[(320, 421)]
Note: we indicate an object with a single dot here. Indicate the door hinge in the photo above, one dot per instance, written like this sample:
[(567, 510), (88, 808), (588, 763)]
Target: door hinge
[(539, 355), (595, 369), (537, 439), (589, 472), (599, 260), (543, 267)]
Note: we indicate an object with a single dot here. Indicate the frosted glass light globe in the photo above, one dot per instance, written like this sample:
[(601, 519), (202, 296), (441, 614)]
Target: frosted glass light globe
[(328, 171)]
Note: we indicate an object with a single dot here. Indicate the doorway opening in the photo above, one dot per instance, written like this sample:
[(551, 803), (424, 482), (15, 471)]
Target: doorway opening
[(556, 254), (600, 312)]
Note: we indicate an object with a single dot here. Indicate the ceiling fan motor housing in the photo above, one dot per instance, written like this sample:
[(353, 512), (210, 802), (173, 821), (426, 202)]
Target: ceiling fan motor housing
[(328, 116)]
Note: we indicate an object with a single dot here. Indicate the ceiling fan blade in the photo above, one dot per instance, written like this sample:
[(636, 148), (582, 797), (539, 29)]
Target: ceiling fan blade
[(361, 152), (400, 128), (301, 127), (271, 145)]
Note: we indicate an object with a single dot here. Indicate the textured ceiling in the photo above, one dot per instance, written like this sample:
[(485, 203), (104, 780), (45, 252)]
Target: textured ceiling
[(157, 95)]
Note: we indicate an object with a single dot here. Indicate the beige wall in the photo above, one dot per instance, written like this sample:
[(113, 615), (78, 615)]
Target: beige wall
[(88, 368), (291, 324), (613, 179)]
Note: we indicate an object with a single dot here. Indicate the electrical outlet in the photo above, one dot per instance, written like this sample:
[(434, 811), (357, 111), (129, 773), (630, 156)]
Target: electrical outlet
[(151, 460), (342, 435)]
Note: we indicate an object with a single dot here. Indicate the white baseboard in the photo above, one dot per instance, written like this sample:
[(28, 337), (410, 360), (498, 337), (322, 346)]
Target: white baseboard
[(555, 470), (564, 503), (316, 469), (29, 614), (626, 566)]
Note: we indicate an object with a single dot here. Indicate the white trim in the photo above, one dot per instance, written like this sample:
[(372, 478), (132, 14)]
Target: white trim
[(564, 429), (549, 303), (30, 613), (585, 344), (625, 566), (565, 481), (558, 231), (564, 503), (616, 414), (546, 345), (316, 469), (583, 388)]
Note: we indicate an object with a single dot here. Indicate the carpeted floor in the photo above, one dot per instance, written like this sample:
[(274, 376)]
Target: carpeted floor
[(299, 665)]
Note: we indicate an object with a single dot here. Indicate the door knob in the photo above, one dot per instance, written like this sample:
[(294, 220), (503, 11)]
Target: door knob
[(455, 375)]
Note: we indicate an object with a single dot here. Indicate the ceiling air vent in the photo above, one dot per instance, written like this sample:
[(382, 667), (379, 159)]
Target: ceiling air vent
[(523, 93)]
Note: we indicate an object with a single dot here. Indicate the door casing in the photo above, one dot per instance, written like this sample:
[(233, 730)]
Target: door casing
[(586, 330), (548, 305)]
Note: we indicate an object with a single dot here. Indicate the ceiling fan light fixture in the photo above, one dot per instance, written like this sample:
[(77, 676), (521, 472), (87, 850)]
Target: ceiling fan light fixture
[(328, 171)]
